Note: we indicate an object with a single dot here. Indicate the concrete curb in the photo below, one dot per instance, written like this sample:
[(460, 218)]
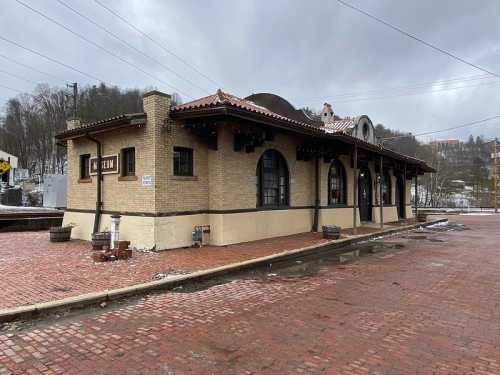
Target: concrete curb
[(94, 299)]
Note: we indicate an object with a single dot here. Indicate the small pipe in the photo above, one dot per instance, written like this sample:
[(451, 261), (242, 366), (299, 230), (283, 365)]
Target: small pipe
[(98, 203)]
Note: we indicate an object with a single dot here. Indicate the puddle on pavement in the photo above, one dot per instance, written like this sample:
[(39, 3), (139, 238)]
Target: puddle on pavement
[(309, 266), (295, 270)]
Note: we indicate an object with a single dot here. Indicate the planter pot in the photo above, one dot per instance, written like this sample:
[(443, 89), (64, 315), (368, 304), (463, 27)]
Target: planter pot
[(60, 234), (122, 254), (101, 240), (99, 257), (331, 232)]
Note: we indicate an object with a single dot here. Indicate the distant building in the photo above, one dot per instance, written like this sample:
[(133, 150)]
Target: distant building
[(8, 177)]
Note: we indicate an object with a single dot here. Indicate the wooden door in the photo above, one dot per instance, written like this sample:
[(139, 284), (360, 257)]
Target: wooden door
[(365, 195)]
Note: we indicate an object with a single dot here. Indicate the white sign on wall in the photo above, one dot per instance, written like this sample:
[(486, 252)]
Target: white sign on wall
[(147, 181)]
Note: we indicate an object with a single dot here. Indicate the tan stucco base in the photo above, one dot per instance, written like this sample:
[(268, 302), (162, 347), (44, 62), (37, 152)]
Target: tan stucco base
[(171, 232), (249, 226), (176, 231), (337, 216), (390, 214), (409, 212), (139, 230)]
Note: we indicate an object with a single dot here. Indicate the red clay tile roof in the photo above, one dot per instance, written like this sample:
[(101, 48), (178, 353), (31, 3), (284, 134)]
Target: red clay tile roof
[(339, 126), (222, 98), (131, 118)]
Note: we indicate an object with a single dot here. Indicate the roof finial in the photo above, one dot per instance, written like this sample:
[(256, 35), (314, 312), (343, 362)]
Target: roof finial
[(220, 95)]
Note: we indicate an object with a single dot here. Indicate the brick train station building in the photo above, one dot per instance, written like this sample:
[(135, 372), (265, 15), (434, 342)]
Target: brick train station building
[(247, 169)]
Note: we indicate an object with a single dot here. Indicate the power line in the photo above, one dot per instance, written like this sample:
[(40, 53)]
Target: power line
[(473, 123), (434, 47), (12, 89), (99, 46), (123, 19), (51, 59), (442, 82), (417, 93), (107, 31), (18, 77), (32, 68)]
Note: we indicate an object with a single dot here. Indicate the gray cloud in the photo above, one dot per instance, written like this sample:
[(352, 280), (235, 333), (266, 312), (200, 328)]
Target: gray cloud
[(307, 52)]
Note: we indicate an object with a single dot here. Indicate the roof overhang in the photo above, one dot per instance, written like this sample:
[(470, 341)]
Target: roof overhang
[(228, 110), (135, 120)]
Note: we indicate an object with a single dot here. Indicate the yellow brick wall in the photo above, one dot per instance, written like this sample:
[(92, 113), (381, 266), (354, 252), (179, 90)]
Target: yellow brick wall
[(182, 193), (124, 196), (116, 195), (234, 184)]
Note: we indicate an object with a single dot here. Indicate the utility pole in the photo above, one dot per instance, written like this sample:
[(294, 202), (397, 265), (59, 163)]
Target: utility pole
[(74, 86)]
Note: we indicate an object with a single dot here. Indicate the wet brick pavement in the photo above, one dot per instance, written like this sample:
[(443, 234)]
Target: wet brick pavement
[(430, 307), (35, 270)]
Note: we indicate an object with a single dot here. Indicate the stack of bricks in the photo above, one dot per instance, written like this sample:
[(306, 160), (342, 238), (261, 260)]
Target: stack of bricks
[(120, 251)]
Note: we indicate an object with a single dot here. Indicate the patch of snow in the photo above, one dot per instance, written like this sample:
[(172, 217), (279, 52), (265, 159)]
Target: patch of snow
[(22, 208), (440, 224), (479, 214)]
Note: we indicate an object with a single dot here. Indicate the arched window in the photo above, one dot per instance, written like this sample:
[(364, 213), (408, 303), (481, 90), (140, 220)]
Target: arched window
[(386, 188), (337, 184), (272, 180)]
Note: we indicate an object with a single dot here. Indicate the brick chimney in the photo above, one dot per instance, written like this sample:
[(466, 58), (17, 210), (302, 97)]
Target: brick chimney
[(327, 113), (73, 122), (156, 105), (158, 150)]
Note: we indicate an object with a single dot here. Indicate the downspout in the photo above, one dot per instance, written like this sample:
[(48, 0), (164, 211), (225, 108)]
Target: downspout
[(316, 201), (355, 190), (403, 214), (98, 202), (416, 194), (381, 192)]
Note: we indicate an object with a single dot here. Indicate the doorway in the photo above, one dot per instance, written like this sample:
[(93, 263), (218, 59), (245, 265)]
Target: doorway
[(400, 198), (365, 194)]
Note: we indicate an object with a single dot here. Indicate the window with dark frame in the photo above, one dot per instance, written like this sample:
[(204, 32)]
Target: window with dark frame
[(386, 188), (272, 180), (183, 161), (337, 184), (128, 162), (84, 167)]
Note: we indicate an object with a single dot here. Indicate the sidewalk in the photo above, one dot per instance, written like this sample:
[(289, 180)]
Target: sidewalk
[(35, 270)]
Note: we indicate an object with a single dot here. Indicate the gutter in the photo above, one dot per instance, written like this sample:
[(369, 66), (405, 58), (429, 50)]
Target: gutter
[(98, 202), (317, 199)]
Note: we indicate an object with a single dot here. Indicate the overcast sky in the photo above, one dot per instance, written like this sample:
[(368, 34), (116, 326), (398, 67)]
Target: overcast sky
[(308, 52)]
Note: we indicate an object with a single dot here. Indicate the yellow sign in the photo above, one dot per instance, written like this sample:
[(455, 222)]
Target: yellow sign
[(4, 167)]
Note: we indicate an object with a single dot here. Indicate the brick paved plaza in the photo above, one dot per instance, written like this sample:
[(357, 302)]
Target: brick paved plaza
[(36, 270), (430, 307)]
